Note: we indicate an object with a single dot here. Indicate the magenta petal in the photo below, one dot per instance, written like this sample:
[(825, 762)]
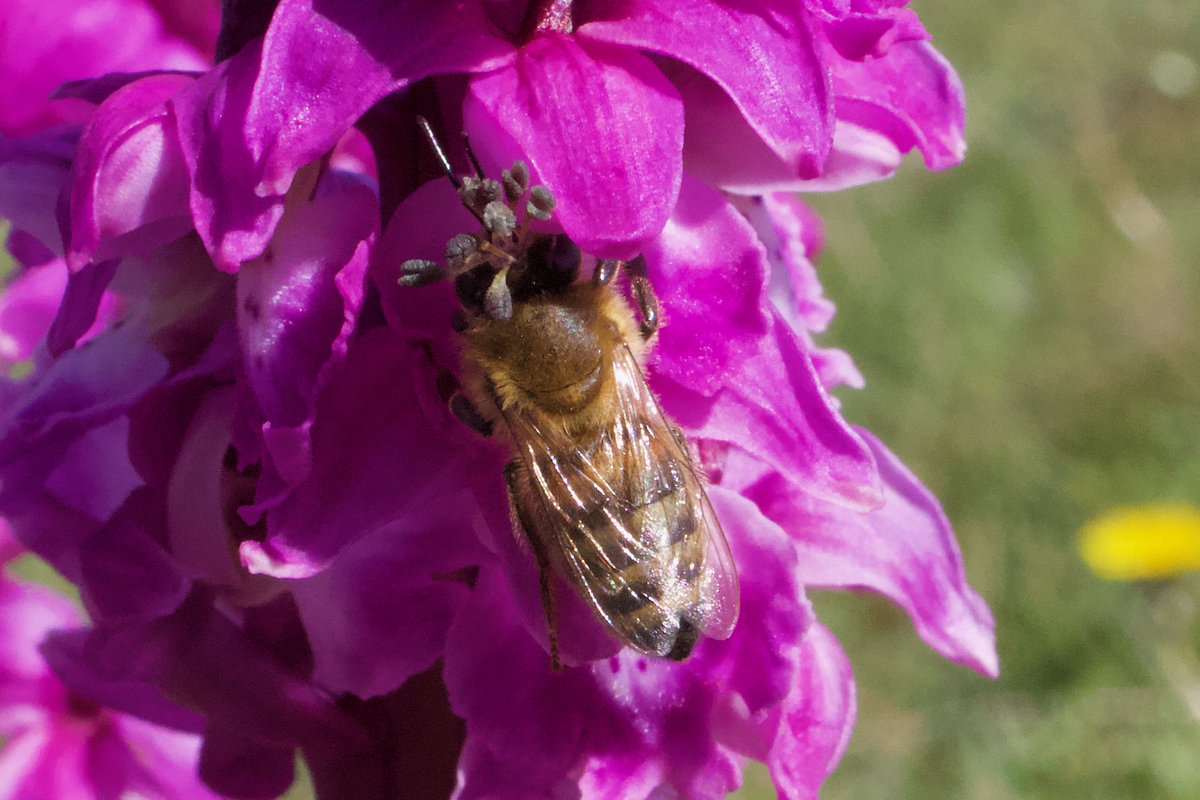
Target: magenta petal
[(817, 719), (48, 42), (393, 594), (763, 58), (203, 661), (420, 228), (912, 95), (724, 151), (33, 174), (281, 104), (64, 653), (709, 270), (126, 571), (905, 551), (863, 36), (859, 156), (325, 64), (483, 775), (296, 309), (27, 307), (534, 720), (94, 476), (599, 125), (129, 175), (774, 407), (241, 767), (80, 308), (234, 223), (292, 316), (379, 453), (84, 389), (758, 661), (790, 230)]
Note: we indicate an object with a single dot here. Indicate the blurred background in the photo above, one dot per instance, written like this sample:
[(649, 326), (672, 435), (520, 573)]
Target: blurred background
[(1029, 328)]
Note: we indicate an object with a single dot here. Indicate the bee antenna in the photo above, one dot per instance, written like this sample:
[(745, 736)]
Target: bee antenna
[(440, 153), (474, 158)]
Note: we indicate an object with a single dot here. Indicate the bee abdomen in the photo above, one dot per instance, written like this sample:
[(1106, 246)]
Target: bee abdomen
[(654, 591)]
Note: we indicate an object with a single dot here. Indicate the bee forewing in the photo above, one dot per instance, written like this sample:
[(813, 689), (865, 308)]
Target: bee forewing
[(628, 521)]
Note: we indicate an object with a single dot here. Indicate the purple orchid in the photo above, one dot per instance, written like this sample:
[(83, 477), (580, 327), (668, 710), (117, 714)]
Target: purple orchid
[(235, 437)]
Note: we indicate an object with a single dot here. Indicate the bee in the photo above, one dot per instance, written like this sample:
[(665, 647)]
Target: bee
[(602, 484)]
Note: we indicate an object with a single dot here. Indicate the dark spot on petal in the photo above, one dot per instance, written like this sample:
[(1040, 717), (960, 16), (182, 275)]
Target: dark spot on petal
[(253, 308)]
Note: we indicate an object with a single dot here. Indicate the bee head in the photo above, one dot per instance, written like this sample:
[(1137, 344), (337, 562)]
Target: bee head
[(507, 261)]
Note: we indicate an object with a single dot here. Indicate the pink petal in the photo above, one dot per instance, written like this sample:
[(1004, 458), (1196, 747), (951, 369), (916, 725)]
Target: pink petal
[(281, 104), (296, 310), (774, 407), (905, 551), (791, 233), (33, 174), (912, 95), (863, 36), (758, 662), (599, 125), (817, 719), (49, 42), (324, 65), (725, 152), (129, 184), (393, 593), (233, 221), (709, 270), (27, 614), (378, 455)]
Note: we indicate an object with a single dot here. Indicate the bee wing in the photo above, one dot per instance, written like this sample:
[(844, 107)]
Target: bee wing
[(629, 521)]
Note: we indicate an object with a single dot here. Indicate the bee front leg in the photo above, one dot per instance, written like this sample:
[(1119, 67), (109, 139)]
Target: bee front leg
[(643, 294), (522, 522), (606, 270), (462, 407)]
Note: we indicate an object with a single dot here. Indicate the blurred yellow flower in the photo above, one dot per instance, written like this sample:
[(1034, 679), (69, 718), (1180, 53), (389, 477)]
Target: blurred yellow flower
[(1143, 543)]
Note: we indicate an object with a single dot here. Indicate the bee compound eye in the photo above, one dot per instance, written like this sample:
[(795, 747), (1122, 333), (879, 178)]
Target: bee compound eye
[(471, 287), (565, 255)]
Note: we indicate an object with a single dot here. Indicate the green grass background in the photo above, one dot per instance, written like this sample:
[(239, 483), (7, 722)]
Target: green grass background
[(1029, 327)]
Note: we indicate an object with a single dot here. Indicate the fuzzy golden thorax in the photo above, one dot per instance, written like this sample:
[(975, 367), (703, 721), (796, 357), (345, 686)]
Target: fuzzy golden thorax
[(553, 358)]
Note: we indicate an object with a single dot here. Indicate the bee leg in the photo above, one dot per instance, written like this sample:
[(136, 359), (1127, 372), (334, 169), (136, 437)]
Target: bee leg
[(685, 641), (643, 294), (461, 407), (606, 270), (521, 520)]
